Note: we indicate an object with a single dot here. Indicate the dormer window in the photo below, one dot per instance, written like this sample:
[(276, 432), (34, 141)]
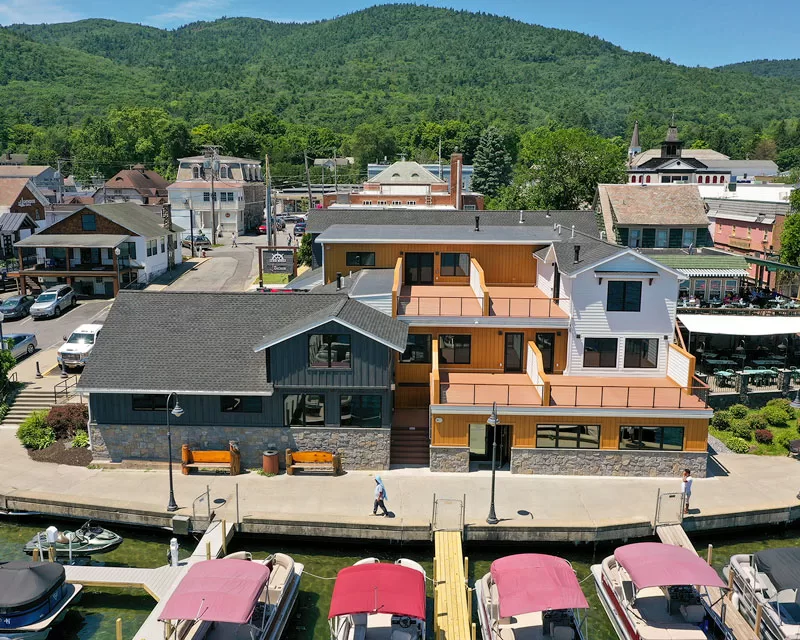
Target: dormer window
[(195, 171), (224, 172)]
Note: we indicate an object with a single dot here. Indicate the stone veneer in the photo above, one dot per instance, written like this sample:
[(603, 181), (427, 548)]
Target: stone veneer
[(360, 448), (453, 459), (607, 463)]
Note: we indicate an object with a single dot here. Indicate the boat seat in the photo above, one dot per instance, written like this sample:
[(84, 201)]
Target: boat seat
[(401, 634), (561, 632), (693, 613), (505, 622), (360, 626)]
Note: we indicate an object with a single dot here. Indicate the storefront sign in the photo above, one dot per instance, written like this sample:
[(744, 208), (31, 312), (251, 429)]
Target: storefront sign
[(278, 261), (25, 203)]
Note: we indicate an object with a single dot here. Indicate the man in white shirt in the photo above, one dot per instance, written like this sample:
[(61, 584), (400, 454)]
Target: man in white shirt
[(686, 487)]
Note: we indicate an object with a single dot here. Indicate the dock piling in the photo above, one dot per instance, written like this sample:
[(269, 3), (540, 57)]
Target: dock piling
[(208, 550), (51, 552), (36, 554), (710, 553), (224, 538), (119, 628), (757, 626)]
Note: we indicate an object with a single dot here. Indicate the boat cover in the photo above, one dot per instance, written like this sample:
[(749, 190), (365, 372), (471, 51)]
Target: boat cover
[(653, 564), (530, 582), (781, 565), (26, 584), (224, 590), (379, 588)]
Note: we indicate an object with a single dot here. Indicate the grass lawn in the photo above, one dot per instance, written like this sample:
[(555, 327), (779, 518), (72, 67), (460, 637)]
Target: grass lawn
[(275, 278), (759, 449), (781, 434)]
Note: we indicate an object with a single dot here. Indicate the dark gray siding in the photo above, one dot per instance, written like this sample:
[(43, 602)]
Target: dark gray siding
[(316, 252), (372, 363)]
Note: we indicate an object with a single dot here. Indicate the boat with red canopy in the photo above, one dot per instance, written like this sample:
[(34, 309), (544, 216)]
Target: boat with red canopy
[(532, 595), (378, 601), (655, 591), (235, 598)]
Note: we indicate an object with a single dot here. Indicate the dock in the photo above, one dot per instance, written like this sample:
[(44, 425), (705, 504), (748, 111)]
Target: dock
[(452, 597)]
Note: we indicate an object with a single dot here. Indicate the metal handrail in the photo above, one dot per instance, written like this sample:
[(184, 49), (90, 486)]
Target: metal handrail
[(207, 496), (67, 384)]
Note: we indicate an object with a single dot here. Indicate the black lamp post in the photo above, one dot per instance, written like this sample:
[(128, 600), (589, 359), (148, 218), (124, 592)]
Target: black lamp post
[(177, 412), (493, 421)]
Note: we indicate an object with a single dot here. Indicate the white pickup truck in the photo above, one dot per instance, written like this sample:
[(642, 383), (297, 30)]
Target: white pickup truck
[(75, 351)]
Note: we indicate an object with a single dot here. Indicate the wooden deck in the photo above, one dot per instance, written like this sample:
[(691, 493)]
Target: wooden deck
[(452, 598), (598, 391), (506, 389), (717, 599)]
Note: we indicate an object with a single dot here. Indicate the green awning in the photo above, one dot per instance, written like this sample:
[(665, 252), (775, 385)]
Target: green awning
[(771, 265)]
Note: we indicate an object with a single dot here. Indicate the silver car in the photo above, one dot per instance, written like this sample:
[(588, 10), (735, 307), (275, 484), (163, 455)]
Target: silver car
[(21, 344), (53, 301)]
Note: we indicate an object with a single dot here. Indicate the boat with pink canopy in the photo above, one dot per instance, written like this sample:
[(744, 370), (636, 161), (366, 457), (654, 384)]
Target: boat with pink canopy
[(655, 591), (235, 598), (531, 596)]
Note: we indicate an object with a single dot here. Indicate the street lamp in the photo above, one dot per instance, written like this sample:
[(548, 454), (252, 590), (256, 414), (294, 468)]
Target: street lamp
[(117, 252), (177, 412), (493, 421)]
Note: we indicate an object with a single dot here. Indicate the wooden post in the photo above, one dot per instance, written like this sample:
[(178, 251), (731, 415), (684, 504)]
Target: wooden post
[(730, 582), (757, 626), (208, 549), (36, 554), (119, 628), (474, 631), (466, 567), (52, 553), (224, 539), (710, 553)]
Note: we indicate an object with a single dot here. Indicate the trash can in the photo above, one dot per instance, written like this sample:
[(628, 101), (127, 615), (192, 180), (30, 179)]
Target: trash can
[(270, 462)]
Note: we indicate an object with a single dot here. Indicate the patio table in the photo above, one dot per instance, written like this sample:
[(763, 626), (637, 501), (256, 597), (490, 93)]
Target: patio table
[(721, 362), (768, 362), (759, 376), (725, 378)]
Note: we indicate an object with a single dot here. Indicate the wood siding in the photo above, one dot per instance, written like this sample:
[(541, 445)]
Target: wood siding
[(73, 224), (502, 264), (453, 430)]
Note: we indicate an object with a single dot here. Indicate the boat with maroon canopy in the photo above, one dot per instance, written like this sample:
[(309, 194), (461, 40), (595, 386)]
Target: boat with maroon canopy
[(654, 591), (531, 596), (378, 601), (235, 598)]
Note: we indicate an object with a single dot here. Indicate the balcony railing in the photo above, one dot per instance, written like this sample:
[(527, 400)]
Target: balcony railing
[(627, 397), (443, 306), (61, 265), (525, 308), (485, 394)]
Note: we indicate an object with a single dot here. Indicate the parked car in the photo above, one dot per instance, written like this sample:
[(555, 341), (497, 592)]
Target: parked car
[(296, 217), (54, 301), (16, 307), (299, 229), (21, 344), (279, 225), (75, 351), (200, 242)]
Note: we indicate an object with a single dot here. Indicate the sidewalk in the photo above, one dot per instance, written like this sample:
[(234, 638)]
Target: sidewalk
[(523, 502)]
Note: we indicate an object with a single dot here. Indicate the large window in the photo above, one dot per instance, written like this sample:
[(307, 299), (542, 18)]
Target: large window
[(360, 411), (89, 222), (663, 438), (360, 259), (418, 348), (600, 352), (454, 349), (149, 402), (662, 238), (699, 289), (641, 353), (304, 410), (329, 351), (689, 236), (241, 404), (624, 295), (567, 436), (152, 247), (454, 264)]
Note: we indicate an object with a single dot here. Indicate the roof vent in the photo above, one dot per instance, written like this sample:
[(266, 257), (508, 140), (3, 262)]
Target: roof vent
[(477, 223), (558, 229), (577, 258), (521, 219), (602, 235)]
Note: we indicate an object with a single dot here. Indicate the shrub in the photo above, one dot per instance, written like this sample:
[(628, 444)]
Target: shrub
[(67, 419), (785, 403), (81, 439), (764, 436), (784, 438), (776, 415), (757, 421), (721, 420), (737, 445), (739, 411), (34, 433), (4, 409), (741, 429)]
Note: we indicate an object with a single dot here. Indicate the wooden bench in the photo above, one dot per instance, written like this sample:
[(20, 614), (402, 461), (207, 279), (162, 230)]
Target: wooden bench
[(315, 461), (195, 459)]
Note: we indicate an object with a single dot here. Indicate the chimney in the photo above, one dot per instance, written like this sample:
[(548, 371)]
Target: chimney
[(477, 223), (577, 257), (338, 280), (456, 164)]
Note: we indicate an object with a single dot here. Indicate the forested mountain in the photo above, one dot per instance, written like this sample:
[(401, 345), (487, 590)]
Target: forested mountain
[(391, 64), (768, 68)]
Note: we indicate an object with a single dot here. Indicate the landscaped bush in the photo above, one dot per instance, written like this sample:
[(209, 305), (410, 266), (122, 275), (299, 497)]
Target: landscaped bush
[(764, 436), (739, 411), (4, 409), (81, 439), (741, 429), (737, 445), (721, 420), (776, 415), (67, 419), (34, 433), (756, 420), (785, 404), (784, 438)]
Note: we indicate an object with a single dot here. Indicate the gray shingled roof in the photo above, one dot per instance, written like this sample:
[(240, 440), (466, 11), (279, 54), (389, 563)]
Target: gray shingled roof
[(592, 251), (320, 220), (138, 219), (205, 343)]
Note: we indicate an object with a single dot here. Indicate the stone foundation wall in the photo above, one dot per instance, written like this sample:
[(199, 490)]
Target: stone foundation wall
[(607, 463), (360, 448), (452, 459)]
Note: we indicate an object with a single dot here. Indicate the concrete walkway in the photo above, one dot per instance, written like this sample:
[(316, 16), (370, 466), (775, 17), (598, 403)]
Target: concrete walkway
[(765, 484)]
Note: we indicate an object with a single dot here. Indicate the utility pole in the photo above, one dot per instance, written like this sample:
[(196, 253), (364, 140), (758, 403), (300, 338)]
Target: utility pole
[(308, 182), (59, 193), (440, 157), (270, 220), (212, 153), (335, 173)]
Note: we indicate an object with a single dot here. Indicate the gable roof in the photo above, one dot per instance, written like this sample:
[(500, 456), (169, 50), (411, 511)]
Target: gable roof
[(592, 251), (663, 163), (405, 172), (703, 155), (136, 351), (23, 171), (652, 205), (747, 210), (11, 188), (137, 219), (148, 183)]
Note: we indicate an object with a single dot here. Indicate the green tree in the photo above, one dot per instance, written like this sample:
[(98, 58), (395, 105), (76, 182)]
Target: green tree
[(790, 236), (304, 254), (492, 164)]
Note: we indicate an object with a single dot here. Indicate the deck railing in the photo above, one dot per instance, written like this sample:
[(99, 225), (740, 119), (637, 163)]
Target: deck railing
[(485, 394), (627, 396), (434, 306), (525, 307)]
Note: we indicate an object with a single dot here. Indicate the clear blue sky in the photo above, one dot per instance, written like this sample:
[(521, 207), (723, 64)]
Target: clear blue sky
[(701, 32)]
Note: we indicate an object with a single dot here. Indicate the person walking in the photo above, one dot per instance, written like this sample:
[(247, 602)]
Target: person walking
[(686, 487), (289, 241), (380, 496), (234, 236)]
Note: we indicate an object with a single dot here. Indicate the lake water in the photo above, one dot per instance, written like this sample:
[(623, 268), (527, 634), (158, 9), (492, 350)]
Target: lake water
[(94, 618)]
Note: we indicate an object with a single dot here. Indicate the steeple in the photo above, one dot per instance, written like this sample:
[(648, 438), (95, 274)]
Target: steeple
[(672, 146), (634, 148)]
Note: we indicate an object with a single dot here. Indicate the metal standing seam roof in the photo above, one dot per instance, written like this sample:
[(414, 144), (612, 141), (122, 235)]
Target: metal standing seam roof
[(79, 240), (11, 222), (700, 265)]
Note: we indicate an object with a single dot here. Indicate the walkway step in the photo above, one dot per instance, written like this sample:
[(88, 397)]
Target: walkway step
[(409, 445)]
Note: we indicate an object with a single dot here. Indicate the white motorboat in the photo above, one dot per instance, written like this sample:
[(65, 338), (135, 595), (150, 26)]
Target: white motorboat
[(378, 601), (234, 598), (650, 592), (531, 596), (769, 578)]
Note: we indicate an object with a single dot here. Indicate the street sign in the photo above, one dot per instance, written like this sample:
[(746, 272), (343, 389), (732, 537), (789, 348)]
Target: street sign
[(278, 261)]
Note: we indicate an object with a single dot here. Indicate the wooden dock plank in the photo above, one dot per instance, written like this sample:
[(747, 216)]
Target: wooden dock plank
[(453, 616)]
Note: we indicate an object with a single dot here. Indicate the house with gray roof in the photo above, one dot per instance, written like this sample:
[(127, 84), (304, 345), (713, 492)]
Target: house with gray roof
[(270, 371)]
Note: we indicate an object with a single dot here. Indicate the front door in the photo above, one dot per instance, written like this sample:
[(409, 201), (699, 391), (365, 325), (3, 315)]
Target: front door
[(546, 342), (481, 444), (418, 268), (513, 361)]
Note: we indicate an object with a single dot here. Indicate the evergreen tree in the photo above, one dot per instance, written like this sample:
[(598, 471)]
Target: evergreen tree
[(492, 164)]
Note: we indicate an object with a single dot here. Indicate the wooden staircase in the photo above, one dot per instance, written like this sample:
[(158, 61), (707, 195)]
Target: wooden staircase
[(409, 438)]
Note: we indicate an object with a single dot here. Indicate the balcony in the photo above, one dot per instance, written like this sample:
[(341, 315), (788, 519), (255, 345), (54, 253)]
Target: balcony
[(627, 393), (506, 389)]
